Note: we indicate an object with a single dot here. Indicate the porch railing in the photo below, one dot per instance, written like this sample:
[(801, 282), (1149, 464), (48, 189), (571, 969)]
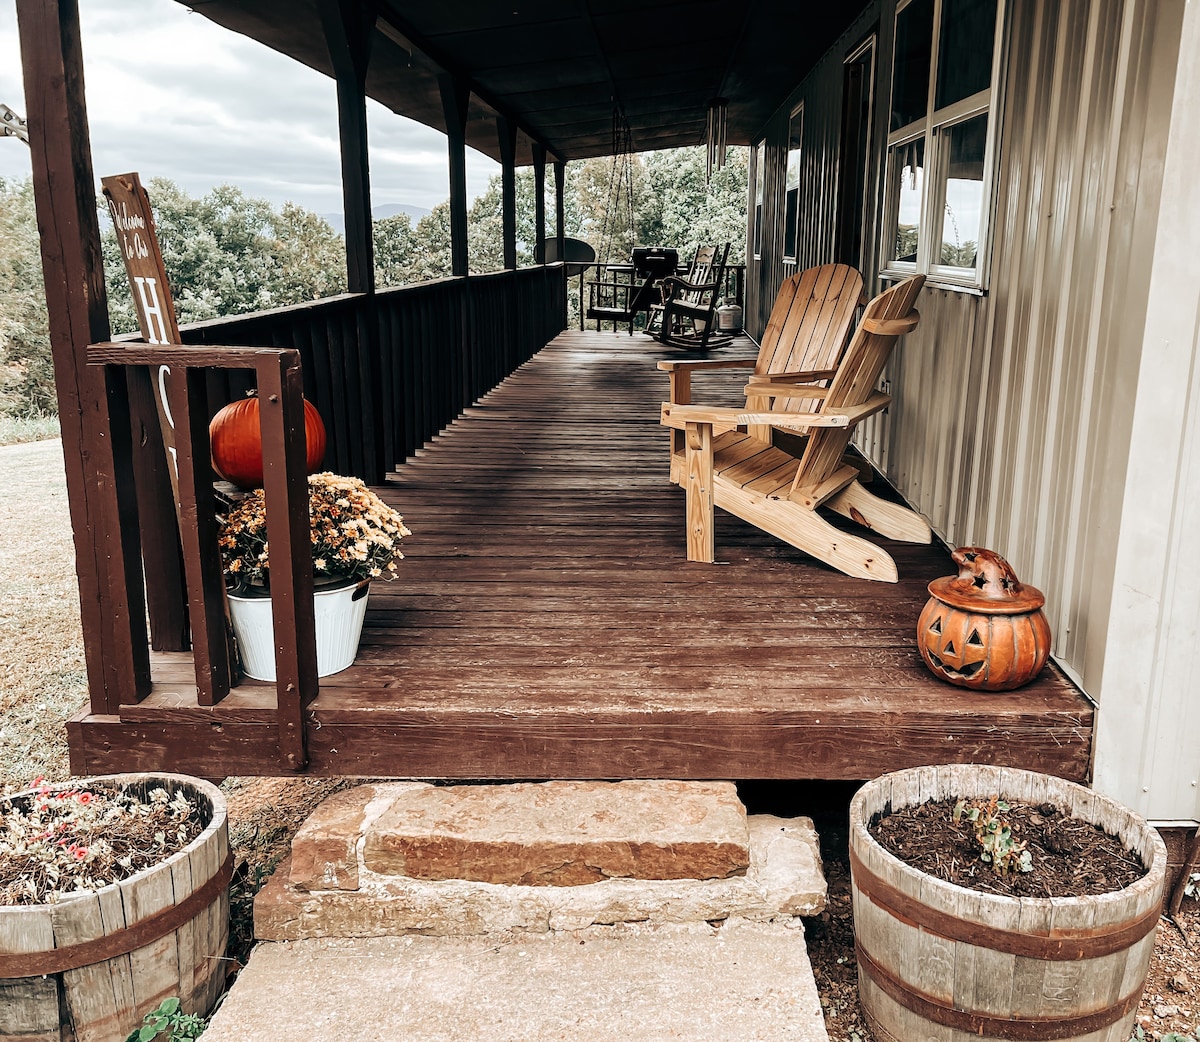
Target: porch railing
[(387, 372)]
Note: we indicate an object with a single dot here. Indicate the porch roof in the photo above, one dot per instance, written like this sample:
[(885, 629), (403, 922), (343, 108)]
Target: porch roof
[(559, 68)]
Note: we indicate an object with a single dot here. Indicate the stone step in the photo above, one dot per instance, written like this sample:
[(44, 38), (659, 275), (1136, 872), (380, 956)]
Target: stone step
[(741, 982), (548, 833), (562, 833), (531, 837)]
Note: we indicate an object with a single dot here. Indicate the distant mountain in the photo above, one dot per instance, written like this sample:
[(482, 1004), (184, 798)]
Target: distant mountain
[(338, 219)]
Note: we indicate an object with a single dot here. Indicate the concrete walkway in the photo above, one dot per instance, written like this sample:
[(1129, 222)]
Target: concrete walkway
[(741, 982)]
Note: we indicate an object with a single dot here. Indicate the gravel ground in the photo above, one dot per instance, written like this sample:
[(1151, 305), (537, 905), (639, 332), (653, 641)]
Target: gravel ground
[(43, 682)]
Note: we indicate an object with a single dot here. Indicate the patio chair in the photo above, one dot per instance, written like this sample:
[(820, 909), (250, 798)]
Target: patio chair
[(728, 464), (686, 317), (621, 291), (807, 332)]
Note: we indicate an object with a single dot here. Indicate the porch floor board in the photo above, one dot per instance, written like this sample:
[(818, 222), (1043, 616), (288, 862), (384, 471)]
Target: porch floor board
[(545, 624)]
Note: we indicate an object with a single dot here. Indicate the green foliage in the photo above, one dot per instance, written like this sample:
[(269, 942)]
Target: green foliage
[(168, 1023), (26, 368), (675, 208), (15, 430), (228, 254), (997, 846)]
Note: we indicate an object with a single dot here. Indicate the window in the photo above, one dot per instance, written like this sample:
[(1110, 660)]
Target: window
[(791, 199), (941, 139), (759, 162)]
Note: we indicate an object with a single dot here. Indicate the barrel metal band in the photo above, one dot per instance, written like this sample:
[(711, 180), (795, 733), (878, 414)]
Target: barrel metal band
[(14, 965), (1054, 945), (1019, 1029)]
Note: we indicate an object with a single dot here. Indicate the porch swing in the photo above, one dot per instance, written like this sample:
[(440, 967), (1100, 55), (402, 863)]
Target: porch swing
[(624, 289)]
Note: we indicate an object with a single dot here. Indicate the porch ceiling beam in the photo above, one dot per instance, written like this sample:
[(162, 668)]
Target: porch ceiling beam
[(389, 15)]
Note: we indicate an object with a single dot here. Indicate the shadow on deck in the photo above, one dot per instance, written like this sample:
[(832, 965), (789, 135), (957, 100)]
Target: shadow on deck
[(546, 625)]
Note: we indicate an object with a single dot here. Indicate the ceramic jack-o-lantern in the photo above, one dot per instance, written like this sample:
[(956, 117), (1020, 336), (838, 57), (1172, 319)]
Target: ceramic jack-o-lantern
[(982, 628)]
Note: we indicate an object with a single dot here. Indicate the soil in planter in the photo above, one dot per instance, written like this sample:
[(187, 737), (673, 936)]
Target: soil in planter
[(1071, 858)]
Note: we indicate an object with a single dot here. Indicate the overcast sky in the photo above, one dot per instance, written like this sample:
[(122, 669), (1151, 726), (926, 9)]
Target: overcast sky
[(205, 106)]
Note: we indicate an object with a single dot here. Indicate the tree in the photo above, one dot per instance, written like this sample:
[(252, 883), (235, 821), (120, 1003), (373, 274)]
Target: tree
[(677, 209), (227, 254), (26, 366)]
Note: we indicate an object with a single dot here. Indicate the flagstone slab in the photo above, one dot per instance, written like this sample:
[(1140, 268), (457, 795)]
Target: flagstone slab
[(561, 833), (784, 879)]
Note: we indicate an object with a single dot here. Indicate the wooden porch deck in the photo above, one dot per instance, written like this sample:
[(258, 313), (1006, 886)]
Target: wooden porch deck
[(546, 625)]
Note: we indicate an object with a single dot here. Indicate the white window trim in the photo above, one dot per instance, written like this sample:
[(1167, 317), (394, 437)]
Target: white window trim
[(790, 258), (930, 128), (758, 208)]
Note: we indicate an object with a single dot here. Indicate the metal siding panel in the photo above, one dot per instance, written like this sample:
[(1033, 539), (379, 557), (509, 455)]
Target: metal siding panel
[(1011, 411)]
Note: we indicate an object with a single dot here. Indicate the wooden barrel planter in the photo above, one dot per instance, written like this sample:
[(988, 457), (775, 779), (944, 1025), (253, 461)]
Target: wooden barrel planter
[(936, 960), (90, 967)]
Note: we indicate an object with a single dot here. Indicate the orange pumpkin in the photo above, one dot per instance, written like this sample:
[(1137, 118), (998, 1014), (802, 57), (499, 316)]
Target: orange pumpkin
[(236, 441), (983, 629)]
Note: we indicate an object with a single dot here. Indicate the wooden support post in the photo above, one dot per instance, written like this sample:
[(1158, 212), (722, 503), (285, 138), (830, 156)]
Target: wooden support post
[(507, 131), (701, 539), (539, 203), (456, 97), (560, 218), (348, 31), (92, 403), (281, 421)]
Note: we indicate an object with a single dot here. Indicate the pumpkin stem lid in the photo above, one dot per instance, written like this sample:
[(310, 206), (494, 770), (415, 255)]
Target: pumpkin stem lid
[(985, 583)]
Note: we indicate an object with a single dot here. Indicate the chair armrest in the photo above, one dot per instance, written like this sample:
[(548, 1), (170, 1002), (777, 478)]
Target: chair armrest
[(683, 283), (679, 416), (782, 390), (708, 363), (797, 376), (844, 416)]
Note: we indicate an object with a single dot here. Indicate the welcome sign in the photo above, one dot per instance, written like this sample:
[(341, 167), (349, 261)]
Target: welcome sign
[(129, 206)]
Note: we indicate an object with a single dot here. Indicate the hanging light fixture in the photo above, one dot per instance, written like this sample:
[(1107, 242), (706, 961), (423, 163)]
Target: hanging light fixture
[(715, 134)]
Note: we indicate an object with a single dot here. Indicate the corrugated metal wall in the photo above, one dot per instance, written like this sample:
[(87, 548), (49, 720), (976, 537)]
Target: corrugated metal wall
[(1011, 414), (1148, 739)]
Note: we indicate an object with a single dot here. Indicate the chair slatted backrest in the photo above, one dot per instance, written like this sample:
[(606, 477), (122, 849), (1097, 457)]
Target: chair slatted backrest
[(808, 329), (855, 381), (708, 267)]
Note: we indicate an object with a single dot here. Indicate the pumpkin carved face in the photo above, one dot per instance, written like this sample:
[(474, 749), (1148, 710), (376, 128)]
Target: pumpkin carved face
[(983, 629), (986, 652)]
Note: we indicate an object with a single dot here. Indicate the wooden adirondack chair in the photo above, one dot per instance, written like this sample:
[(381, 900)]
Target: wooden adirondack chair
[(692, 299), (807, 332), (780, 493)]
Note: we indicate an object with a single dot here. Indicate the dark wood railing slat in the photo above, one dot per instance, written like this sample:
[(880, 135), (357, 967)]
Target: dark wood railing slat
[(285, 488), (198, 530)]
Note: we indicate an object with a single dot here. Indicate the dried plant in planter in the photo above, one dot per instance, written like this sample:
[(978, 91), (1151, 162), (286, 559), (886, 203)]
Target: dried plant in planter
[(355, 535), (58, 842)]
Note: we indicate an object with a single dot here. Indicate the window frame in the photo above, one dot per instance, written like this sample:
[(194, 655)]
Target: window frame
[(933, 128), (796, 114), (759, 200)]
